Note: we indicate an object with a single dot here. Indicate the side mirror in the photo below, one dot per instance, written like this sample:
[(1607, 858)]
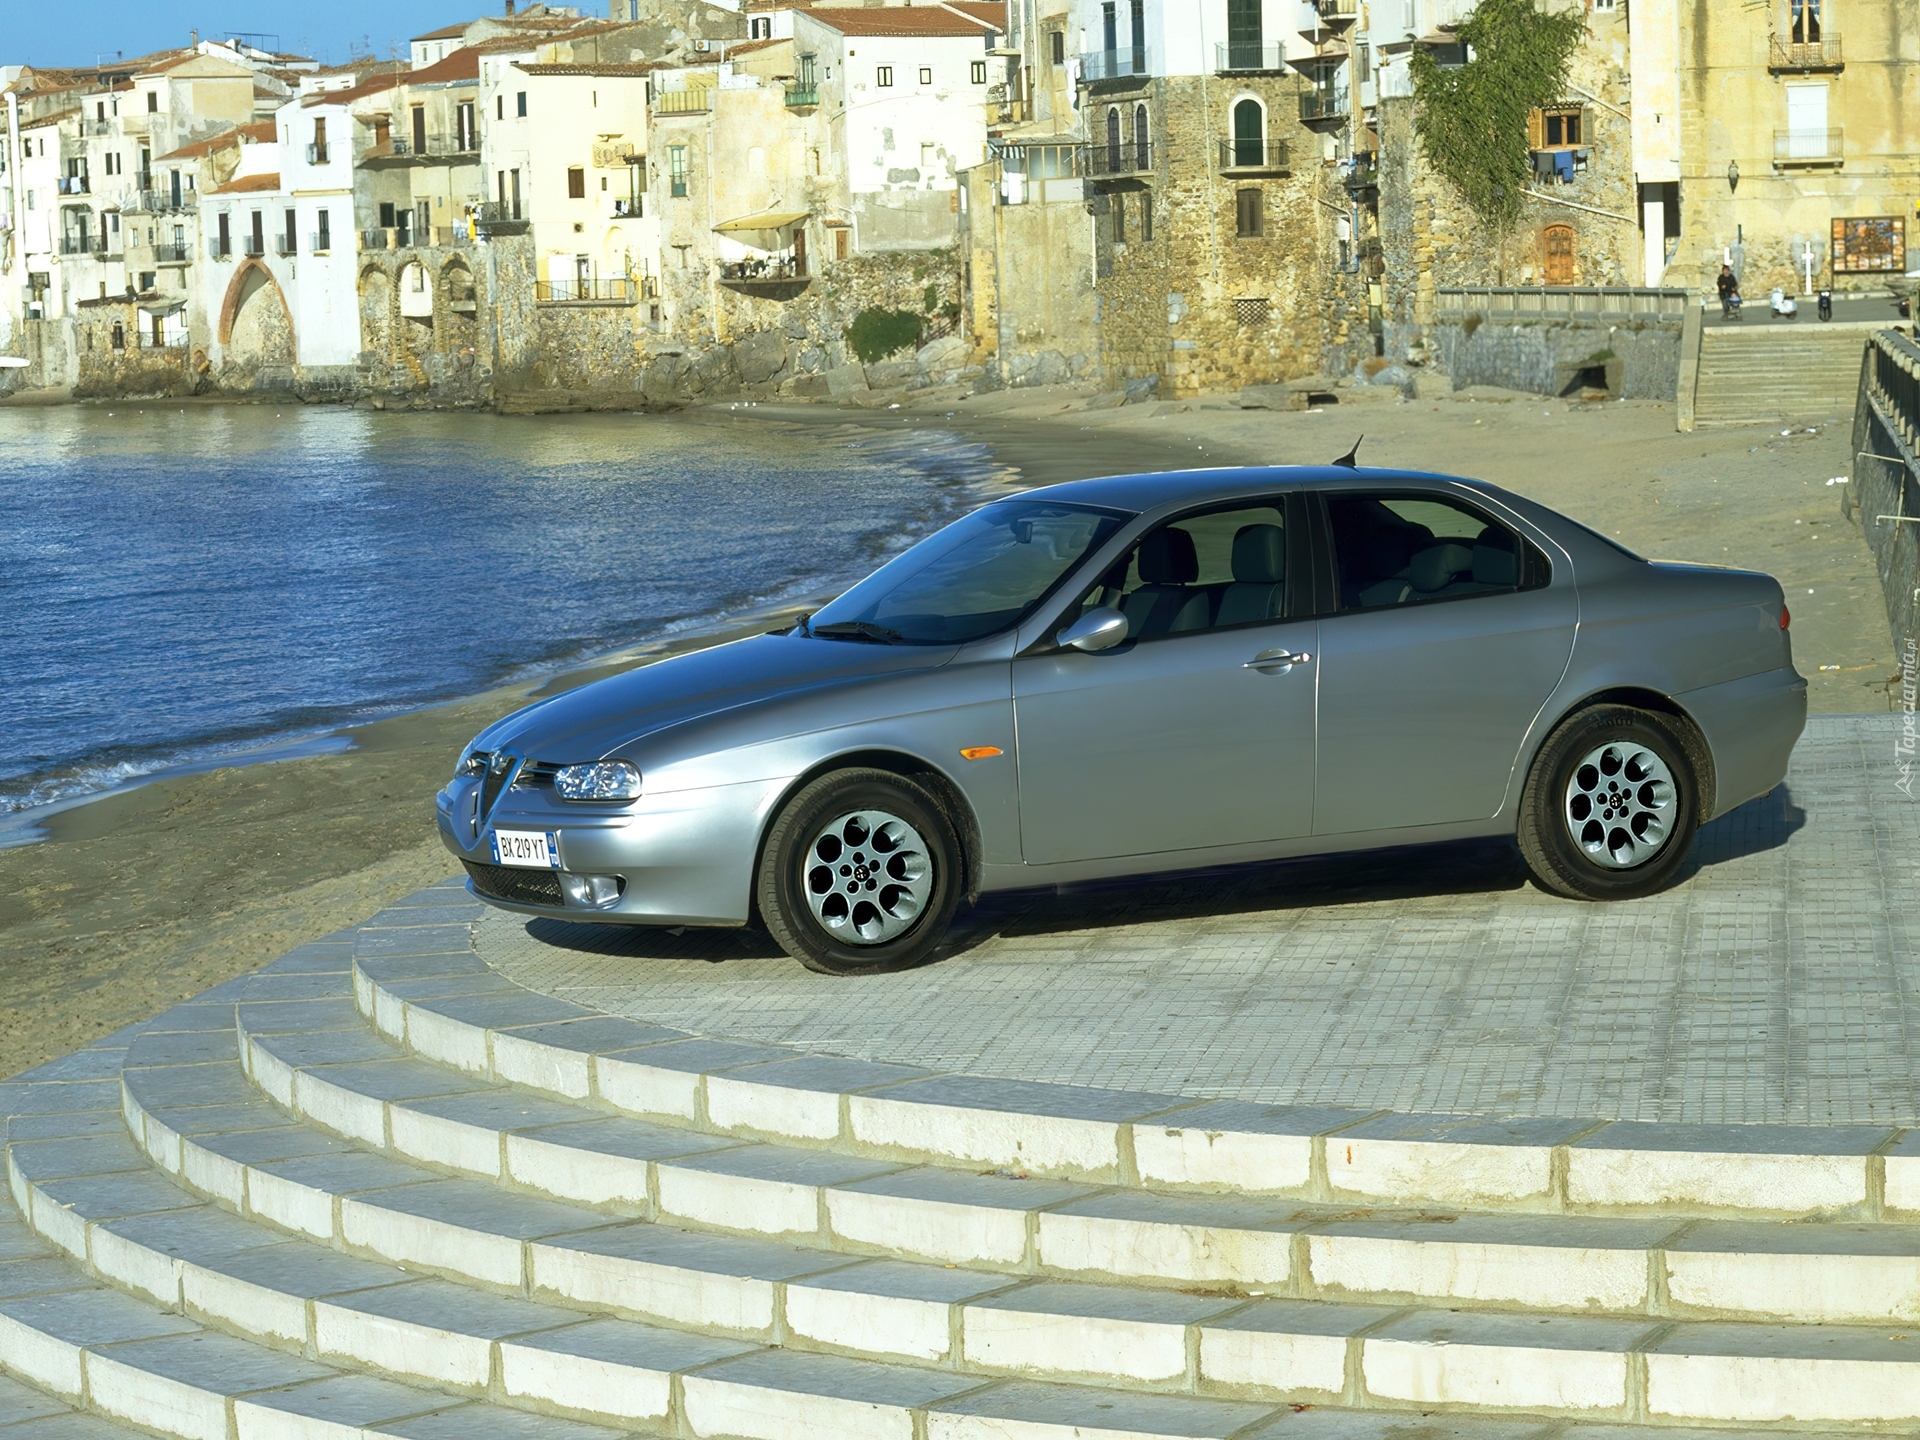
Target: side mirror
[(1099, 629)]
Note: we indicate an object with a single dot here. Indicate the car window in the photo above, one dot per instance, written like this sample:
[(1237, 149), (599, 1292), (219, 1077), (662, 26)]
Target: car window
[(1407, 549), (1201, 572), (977, 576)]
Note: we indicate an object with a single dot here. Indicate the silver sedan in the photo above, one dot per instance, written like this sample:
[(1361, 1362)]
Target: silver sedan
[(1147, 674)]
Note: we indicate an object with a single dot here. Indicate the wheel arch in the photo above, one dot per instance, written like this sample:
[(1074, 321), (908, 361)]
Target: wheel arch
[(966, 825), (1641, 697)]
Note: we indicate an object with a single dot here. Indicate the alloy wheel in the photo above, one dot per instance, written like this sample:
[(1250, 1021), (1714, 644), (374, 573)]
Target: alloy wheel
[(867, 876), (1620, 805)]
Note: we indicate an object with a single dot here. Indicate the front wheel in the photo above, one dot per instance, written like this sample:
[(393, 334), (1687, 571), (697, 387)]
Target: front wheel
[(860, 874), (1611, 804)]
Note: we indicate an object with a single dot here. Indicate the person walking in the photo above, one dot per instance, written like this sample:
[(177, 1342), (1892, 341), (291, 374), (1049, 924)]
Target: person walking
[(1729, 287)]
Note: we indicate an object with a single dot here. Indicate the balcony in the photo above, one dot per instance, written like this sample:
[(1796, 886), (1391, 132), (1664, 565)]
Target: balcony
[(1254, 156), (633, 209), (319, 242), (781, 276), (437, 147), (284, 245), (149, 201), (1232, 58), (254, 248), (618, 291), (172, 254), (316, 154), (74, 185), (1802, 58), (1099, 65), (802, 97), (83, 244), (220, 249), (1360, 177), (695, 100), (1808, 149), (1107, 161), (135, 122), (491, 217), (1338, 12), (96, 127), (1325, 108)]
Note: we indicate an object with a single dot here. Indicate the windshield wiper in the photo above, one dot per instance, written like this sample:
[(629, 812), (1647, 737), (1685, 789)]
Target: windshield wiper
[(858, 630)]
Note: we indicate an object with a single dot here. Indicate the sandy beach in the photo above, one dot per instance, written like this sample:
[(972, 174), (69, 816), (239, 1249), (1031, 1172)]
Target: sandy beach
[(146, 896)]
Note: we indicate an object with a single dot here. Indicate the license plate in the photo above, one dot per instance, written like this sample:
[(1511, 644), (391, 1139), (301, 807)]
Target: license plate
[(526, 849)]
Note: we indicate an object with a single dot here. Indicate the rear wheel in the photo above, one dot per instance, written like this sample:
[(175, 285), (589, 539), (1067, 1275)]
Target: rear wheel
[(1611, 805), (860, 874)]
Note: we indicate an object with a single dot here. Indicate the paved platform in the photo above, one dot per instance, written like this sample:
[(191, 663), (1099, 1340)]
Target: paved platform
[(1778, 982)]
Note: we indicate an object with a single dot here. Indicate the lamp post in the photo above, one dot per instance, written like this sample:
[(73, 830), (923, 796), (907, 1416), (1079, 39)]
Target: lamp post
[(1733, 176)]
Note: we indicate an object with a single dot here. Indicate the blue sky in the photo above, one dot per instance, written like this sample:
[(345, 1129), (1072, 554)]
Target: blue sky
[(332, 30)]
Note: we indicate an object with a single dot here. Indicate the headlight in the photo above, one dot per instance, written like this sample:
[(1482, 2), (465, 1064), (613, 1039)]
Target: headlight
[(471, 762), (603, 780)]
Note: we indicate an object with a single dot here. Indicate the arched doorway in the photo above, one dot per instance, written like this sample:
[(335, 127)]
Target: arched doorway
[(1113, 140), (1141, 156), (1557, 253), (1249, 133), (416, 307), (256, 327)]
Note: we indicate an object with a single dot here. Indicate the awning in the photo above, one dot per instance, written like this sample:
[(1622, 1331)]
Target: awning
[(769, 220)]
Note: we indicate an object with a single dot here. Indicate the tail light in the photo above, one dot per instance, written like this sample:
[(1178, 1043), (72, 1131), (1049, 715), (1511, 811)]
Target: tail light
[(1785, 618)]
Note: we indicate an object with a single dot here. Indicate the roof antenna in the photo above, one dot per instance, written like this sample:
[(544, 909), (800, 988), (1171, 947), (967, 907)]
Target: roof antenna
[(1348, 459)]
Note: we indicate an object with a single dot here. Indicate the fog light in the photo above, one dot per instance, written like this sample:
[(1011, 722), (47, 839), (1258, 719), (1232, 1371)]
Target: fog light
[(591, 892)]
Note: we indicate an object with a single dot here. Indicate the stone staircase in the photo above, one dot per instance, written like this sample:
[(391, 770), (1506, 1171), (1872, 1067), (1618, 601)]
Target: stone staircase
[(377, 1189), (1761, 370)]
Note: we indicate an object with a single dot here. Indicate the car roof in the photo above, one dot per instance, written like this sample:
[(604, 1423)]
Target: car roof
[(1153, 490)]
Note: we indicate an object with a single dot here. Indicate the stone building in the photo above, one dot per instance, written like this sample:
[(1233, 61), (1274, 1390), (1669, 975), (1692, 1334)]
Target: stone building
[(1782, 136)]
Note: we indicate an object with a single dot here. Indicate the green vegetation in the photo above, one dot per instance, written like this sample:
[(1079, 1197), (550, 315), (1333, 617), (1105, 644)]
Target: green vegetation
[(876, 333), (1472, 118)]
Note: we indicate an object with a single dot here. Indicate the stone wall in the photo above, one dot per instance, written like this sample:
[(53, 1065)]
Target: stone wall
[(1542, 356), (135, 368)]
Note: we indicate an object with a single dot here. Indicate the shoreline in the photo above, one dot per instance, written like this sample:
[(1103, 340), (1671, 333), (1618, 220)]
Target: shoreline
[(144, 896)]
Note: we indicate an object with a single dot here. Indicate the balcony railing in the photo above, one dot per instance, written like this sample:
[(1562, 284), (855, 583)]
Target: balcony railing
[(632, 209), (96, 127), (316, 154), (1324, 105), (220, 249), (799, 97), (773, 268), (1255, 154), (1807, 147), (134, 123), (461, 234), (1338, 11), (284, 245), (73, 185), (1231, 58), (83, 244), (572, 292), (158, 202), (1126, 158), (319, 242), (254, 248), (1821, 54), (694, 100), (171, 254), (1098, 65)]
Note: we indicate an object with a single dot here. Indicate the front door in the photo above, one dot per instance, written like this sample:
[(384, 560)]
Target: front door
[(1198, 730), (1559, 255), (1448, 640)]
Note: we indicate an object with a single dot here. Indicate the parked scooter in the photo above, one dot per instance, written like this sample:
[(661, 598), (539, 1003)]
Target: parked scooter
[(1825, 306), (1785, 307)]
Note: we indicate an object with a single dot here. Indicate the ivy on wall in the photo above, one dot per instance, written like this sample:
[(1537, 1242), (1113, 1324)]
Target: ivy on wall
[(1472, 118)]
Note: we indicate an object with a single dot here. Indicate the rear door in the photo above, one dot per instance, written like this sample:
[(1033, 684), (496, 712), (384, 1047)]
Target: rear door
[(1448, 635)]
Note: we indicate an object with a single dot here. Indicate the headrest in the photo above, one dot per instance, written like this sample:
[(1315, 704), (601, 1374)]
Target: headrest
[(1260, 554), (1384, 552), (1167, 557), (1494, 566), (1434, 567)]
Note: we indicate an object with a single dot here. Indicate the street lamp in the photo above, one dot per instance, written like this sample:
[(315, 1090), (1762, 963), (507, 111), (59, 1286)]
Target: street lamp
[(1733, 175)]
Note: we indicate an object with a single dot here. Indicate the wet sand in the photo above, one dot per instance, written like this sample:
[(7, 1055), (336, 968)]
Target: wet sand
[(141, 898)]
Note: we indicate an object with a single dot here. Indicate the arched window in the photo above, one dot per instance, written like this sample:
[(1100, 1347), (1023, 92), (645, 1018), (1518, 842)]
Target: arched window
[(1249, 134), (1113, 140), (1140, 155)]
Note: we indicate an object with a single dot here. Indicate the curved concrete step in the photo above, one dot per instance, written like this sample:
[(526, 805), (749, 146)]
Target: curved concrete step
[(91, 1192), (356, 1085), (423, 987)]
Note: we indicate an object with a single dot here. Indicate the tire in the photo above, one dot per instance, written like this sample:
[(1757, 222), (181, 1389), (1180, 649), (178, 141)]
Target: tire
[(860, 874), (1611, 804)]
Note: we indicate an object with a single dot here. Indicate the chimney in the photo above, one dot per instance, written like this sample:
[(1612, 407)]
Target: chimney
[(193, 42)]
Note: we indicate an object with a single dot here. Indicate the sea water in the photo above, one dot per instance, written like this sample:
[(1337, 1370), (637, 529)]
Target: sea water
[(181, 587)]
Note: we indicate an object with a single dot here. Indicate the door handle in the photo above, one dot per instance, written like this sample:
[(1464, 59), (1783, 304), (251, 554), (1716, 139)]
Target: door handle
[(1277, 660)]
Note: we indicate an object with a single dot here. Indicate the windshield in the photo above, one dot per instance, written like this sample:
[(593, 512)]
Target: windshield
[(977, 576)]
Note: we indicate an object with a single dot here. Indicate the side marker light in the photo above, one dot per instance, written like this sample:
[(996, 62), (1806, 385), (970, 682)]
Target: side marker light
[(980, 752)]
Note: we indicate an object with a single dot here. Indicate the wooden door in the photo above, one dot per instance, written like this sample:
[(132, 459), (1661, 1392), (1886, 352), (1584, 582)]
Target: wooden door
[(1559, 255)]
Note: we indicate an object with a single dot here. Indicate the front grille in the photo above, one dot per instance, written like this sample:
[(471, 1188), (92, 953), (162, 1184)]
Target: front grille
[(493, 782), (516, 887)]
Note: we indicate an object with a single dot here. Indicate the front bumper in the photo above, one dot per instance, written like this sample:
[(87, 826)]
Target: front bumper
[(1751, 726), (686, 857)]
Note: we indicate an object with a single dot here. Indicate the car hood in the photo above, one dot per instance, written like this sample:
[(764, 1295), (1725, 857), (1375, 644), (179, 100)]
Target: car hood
[(597, 719)]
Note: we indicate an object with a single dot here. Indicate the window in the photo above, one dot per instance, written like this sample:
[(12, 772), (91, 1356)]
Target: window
[(419, 129), (1804, 19), (1412, 548), (926, 75), (677, 171), (1243, 35), (500, 107), (1059, 43), (979, 72), (760, 27), (1212, 571), (467, 132), (1140, 155), (1251, 313), (1557, 127), (1118, 211), (153, 105), (520, 103), (513, 177), (1113, 141), (842, 240), (576, 183), (292, 229), (323, 235), (883, 77), (386, 214), (1146, 215), (1249, 215)]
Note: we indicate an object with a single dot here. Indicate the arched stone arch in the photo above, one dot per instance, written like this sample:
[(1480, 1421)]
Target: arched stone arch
[(252, 279), (416, 292), (376, 313), (462, 326)]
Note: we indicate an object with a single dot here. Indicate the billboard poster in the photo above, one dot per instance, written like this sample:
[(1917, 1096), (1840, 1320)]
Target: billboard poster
[(1872, 243)]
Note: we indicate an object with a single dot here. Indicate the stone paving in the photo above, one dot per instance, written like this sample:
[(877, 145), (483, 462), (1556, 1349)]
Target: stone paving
[(1778, 982)]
